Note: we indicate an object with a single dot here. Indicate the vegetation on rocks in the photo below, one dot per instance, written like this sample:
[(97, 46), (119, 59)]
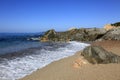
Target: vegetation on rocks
[(116, 24)]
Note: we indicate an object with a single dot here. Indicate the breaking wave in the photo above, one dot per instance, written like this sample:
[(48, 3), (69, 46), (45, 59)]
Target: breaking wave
[(18, 67)]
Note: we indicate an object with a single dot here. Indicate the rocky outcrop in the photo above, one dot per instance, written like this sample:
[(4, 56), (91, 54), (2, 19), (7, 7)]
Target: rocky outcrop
[(109, 32), (111, 26), (108, 27), (83, 34), (98, 55), (50, 35), (113, 34)]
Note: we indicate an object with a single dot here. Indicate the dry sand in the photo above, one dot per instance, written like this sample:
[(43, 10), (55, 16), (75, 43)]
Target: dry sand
[(65, 69)]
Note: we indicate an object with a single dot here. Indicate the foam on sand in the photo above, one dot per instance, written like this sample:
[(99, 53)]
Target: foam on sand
[(22, 66)]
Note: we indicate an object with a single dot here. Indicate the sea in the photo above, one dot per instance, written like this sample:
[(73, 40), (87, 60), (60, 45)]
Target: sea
[(20, 56)]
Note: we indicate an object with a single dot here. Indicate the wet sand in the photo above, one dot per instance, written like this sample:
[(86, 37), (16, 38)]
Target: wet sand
[(64, 69)]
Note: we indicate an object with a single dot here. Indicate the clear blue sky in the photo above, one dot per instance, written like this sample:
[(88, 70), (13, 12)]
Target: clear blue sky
[(41, 15)]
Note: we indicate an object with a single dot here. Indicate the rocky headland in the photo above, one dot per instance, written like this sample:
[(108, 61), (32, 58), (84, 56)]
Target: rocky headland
[(83, 34), (109, 32)]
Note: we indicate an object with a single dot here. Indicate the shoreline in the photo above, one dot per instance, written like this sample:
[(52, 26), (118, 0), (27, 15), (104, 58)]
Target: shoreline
[(63, 69), (70, 60), (36, 58)]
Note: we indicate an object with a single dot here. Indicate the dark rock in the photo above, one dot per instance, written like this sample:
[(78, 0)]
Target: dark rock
[(98, 55)]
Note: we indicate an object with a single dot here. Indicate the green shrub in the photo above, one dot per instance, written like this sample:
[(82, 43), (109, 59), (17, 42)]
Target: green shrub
[(116, 24)]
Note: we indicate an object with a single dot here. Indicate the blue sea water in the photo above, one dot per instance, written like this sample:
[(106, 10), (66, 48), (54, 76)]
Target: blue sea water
[(12, 42), (20, 56)]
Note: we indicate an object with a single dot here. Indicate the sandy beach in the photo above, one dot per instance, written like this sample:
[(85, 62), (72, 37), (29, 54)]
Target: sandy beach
[(65, 69)]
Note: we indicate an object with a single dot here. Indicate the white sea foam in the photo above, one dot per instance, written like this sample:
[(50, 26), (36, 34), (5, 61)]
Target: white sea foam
[(20, 67)]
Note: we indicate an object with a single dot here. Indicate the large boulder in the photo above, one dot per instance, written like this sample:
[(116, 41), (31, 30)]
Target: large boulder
[(98, 55), (113, 34), (94, 33)]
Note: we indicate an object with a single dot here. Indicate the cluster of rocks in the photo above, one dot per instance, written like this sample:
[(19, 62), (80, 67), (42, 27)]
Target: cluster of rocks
[(84, 34), (98, 55), (88, 34)]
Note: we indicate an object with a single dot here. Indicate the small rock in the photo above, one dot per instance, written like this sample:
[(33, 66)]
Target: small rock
[(79, 62)]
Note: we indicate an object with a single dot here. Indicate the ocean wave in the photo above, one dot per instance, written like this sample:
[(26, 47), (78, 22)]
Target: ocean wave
[(21, 66)]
